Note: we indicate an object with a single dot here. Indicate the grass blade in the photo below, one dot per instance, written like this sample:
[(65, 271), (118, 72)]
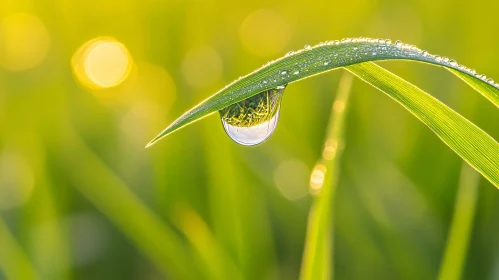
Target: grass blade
[(460, 230), (214, 258), (319, 59), (50, 245), (13, 261), (111, 196), (317, 257), (244, 230), (487, 90), (471, 143)]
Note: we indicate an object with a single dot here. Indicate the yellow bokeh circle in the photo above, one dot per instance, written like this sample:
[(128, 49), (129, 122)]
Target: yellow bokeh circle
[(317, 178), (103, 62), (24, 42)]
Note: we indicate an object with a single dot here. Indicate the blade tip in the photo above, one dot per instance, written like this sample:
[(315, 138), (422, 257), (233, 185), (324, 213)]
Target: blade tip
[(150, 144)]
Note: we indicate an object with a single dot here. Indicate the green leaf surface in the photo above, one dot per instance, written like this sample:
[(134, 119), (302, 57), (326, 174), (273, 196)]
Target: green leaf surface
[(319, 59), (486, 89), (470, 142)]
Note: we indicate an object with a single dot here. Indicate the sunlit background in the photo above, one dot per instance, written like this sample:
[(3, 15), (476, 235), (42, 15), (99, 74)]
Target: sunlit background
[(84, 85)]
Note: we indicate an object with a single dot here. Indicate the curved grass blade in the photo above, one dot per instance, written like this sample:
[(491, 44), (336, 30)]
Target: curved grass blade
[(486, 89), (322, 58), (467, 140), (317, 256)]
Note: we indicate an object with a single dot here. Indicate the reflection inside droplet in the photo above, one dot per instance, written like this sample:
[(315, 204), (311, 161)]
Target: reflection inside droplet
[(252, 135), (253, 120)]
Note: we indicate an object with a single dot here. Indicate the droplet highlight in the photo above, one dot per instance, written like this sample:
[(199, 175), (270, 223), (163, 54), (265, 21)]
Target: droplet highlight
[(252, 121)]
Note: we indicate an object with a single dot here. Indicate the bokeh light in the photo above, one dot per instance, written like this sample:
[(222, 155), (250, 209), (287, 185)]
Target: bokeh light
[(85, 85), (317, 178), (102, 63), (330, 149), (265, 33), (202, 66), (24, 42)]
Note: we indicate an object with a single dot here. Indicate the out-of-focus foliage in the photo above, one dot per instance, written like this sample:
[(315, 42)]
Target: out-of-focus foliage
[(85, 84)]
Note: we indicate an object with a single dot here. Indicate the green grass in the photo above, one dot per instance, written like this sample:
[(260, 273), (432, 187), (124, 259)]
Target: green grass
[(213, 258), (471, 143), (318, 256), (319, 59), (461, 226), (467, 140), (80, 197), (217, 225), (101, 186), (13, 260)]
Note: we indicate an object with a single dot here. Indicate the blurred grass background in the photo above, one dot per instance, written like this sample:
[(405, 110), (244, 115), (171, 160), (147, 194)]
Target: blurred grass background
[(84, 85)]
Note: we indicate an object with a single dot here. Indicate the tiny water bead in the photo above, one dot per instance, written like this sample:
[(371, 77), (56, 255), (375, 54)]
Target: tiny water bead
[(253, 120), (368, 49)]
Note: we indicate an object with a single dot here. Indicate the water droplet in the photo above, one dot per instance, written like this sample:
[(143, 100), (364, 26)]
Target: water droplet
[(425, 53), (253, 120), (326, 63), (398, 43), (453, 63), (296, 72), (307, 47)]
